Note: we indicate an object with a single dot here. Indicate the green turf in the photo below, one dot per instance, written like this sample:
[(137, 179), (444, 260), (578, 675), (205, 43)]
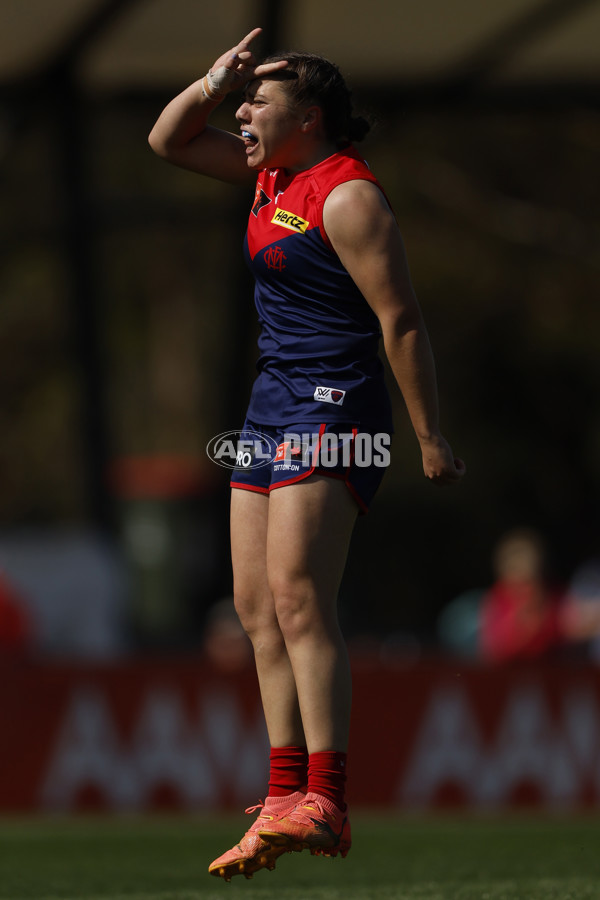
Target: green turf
[(393, 858)]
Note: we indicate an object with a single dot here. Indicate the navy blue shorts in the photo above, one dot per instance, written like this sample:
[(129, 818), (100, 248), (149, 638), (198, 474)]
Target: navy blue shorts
[(272, 457)]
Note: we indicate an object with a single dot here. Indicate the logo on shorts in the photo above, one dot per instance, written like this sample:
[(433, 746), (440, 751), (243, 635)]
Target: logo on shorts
[(329, 395), (289, 220), (241, 450), (294, 449)]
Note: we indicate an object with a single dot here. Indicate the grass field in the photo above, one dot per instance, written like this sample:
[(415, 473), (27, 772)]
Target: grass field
[(392, 858)]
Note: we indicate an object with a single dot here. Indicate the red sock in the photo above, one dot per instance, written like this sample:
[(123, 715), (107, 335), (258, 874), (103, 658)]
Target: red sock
[(288, 772), (327, 775)]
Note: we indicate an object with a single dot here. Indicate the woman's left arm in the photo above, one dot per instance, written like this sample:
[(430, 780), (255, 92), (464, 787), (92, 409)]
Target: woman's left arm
[(364, 233)]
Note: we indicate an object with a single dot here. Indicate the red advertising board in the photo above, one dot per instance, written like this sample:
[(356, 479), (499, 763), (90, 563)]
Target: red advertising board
[(149, 735)]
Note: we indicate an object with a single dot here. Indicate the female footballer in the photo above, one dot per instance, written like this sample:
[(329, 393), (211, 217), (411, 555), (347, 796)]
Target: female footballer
[(331, 280)]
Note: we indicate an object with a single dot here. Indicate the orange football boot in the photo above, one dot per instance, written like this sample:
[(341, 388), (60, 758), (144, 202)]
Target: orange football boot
[(254, 852), (315, 824)]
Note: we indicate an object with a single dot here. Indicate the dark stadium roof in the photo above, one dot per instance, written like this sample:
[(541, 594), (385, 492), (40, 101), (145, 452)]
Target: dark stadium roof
[(125, 44)]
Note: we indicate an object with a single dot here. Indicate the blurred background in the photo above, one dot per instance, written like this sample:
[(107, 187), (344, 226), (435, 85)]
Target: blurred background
[(127, 334), (127, 341)]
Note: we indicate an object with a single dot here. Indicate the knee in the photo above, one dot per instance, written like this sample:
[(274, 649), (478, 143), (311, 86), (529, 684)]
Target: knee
[(246, 609), (295, 610), (258, 619)]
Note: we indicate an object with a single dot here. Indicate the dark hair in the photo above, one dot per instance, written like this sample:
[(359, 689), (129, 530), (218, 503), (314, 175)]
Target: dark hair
[(313, 79)]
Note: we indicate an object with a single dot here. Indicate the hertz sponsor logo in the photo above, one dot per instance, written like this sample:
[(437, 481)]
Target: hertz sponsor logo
[(289, 220)]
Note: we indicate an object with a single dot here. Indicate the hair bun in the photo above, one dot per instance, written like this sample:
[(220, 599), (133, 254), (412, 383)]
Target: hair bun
[(359, 128)]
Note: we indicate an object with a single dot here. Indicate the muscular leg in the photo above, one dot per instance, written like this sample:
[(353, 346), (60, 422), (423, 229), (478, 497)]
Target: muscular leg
[(309, 528), (256, 609), (288, 553)]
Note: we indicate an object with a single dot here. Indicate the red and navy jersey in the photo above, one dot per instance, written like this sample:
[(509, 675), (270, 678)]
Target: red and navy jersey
[(319, 337)]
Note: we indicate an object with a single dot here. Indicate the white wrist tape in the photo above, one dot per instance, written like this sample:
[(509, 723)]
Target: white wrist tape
[(216, 84)]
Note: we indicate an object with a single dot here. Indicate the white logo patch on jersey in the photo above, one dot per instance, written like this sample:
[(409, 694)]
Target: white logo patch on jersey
[(329, 395)]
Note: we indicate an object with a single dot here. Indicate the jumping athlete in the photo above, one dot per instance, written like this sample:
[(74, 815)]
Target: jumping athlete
[(331, 279)]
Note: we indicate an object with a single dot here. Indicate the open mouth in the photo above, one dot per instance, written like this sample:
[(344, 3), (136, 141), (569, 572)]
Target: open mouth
[(249, 139)]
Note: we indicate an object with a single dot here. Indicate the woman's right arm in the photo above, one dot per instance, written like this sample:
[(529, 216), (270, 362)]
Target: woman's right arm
[(182, 135)]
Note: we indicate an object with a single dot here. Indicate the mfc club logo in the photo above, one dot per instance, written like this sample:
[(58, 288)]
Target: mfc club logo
[(241, 450), (275, 258)]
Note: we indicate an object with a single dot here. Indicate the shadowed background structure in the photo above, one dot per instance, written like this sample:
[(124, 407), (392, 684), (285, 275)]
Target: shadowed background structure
[(127, 332)]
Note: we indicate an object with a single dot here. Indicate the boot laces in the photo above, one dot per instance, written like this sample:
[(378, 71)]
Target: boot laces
[(263, 815), (302, 814), (251, 809)]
